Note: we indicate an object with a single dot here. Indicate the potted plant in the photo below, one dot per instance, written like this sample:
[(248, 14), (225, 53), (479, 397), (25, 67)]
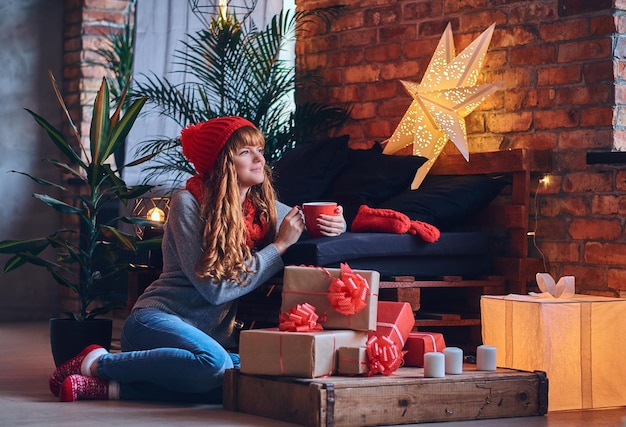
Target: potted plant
[(85, 260)]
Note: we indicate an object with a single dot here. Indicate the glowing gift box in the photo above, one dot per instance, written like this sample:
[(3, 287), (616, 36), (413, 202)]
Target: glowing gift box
[(419, 343), (296, 354), (577, 341), (352, 361), (311, 285), (395, 320)]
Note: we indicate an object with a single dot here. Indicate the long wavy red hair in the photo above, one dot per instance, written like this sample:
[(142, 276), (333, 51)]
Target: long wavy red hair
[(226, 255)]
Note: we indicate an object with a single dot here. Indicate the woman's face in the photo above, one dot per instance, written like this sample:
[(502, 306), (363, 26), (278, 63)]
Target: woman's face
[(250, 166)]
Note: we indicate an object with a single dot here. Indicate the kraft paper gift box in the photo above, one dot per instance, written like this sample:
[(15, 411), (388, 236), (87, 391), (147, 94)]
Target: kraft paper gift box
[(310, 285), (395, 320), (419, 343), (296, 354), (578, 341), (352, 361)]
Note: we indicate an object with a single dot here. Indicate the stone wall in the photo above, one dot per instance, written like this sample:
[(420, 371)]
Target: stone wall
[(31, 45)]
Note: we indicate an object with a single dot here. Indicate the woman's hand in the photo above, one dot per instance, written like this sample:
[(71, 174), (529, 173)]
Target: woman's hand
[(332, 225), (290, 230)]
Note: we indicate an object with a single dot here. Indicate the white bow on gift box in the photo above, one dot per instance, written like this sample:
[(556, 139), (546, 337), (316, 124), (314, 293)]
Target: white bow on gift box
[(564, 288)]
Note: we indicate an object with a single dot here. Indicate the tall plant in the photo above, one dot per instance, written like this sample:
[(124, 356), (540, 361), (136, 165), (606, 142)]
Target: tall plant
[(86, 265), (236, 69), (117, 56)]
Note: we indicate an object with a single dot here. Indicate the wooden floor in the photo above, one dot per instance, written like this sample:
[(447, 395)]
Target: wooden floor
[(26, 363)]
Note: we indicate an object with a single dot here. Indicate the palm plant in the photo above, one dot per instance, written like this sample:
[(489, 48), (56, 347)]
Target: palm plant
[(96, 254), (236, 69)]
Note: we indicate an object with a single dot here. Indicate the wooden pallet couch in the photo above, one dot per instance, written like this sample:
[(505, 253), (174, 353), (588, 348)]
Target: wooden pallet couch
[(482, 208)]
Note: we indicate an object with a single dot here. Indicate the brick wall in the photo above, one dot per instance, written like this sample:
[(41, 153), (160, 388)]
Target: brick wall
[(562, 64), (86, 23)]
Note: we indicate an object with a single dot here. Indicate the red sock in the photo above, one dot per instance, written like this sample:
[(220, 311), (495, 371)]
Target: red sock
[(426, 231), (80, 387), (381, 220), (70, 367)]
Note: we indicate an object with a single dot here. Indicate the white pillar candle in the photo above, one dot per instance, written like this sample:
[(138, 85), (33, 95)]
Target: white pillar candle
[(486, 358), (434, 365), (454, 360)]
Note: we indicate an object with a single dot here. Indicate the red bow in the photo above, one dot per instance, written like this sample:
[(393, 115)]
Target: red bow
[(301, 318), (347, 295), (383, 356)]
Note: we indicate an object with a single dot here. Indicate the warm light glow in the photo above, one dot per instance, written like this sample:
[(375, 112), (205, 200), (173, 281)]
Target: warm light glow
[(545, 180), (223, 8), (155, 214), (446, 95)]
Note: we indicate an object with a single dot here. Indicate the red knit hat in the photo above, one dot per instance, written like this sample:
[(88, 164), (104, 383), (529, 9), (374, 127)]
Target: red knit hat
[(203, 142)]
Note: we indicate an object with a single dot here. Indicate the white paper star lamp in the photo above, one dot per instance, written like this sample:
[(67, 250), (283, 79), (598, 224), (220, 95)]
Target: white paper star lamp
[(446, 95)]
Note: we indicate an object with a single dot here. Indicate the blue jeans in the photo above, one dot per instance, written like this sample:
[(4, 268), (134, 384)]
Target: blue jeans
[(164, 358)]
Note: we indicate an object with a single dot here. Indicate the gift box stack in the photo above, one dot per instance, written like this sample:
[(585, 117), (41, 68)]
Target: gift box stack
[(313, 325), (332, 323)]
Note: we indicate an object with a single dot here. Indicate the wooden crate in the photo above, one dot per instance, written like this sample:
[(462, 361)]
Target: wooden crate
[(403, 398)]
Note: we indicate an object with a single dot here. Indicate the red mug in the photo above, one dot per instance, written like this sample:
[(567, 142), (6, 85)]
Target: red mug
[(312, 211)]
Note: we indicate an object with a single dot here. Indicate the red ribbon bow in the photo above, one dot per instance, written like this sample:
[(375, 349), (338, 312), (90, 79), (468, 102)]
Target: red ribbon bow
[(301, 318), (383, 356), (347, 294)]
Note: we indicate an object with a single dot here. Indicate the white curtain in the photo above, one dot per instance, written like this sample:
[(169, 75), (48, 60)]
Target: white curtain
[(162, 26)]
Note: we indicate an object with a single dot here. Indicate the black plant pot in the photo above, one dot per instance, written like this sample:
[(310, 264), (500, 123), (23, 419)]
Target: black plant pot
[(69, 337)]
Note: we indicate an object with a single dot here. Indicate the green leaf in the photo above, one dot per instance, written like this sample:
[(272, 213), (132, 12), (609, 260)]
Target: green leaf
[(122, 128), (36, 260), (41, 181), (57, 204), (99, 131), (140, 160), (70, 122), (13, 263), (63, 281), (30, 245), (57, 137), (136, 191), (65, 168), (141, 222), (126, 241)]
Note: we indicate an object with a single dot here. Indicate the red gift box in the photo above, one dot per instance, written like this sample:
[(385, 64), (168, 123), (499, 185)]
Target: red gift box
[(395, 320), (419, 343)]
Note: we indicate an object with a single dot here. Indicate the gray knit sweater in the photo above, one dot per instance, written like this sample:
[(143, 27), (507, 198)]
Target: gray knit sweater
[(209, 307)]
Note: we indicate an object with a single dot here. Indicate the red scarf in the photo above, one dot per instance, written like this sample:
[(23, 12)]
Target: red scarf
[(256, 225)]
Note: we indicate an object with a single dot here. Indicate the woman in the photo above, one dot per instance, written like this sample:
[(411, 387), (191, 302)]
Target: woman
[(224, 237)]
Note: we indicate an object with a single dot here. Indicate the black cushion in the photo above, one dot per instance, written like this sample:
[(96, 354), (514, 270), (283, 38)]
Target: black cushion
[(446, 201), (371, 177), (455, 253), (305, 173)]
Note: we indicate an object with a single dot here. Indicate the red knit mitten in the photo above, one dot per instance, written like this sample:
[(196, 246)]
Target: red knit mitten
[(426, 231), (381, 220)]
